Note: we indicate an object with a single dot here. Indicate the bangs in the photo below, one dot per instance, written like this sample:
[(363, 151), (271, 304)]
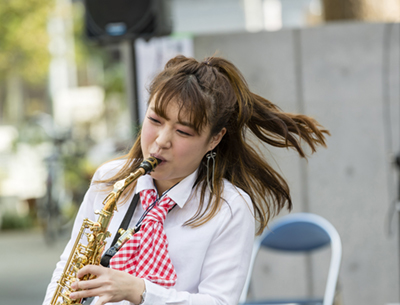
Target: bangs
[(184, 90)]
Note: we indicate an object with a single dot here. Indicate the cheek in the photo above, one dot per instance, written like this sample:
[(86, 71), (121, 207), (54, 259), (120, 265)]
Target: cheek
[(145, 132), (146, 136), (190, 152)]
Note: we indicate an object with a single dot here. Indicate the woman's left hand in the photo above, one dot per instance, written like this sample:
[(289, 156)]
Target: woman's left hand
[(109, 285)]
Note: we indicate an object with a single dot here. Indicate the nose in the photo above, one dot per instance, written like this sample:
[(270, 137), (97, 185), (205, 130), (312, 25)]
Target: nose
[(164, 138)]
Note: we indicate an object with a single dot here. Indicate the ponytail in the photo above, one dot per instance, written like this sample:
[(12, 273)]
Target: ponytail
[(241, 164)]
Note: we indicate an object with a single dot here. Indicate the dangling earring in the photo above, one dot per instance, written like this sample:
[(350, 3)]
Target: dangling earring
[(211, 155)]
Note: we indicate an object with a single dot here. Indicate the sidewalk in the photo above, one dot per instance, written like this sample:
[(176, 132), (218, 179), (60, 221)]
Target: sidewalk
[(26, 266)]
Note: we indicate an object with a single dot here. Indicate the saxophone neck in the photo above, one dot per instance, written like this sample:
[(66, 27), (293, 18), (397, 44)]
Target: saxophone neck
[(119, 188)]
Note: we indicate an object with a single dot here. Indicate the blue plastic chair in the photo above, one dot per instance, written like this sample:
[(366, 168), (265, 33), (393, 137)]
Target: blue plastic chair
[(300, 232)]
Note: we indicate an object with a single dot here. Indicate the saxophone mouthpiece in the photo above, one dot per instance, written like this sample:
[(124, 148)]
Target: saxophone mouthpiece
[(150, 164)]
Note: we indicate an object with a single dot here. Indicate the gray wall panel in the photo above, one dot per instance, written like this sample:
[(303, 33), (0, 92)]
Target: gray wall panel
[(335, 74)]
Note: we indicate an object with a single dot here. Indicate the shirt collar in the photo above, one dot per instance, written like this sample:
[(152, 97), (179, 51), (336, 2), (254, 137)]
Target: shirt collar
[(180, 193)]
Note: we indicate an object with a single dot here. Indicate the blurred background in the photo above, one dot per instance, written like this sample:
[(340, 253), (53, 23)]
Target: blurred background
[(73, 79)]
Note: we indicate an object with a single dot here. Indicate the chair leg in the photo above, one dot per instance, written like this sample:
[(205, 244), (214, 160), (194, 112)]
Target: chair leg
[(338, 300)]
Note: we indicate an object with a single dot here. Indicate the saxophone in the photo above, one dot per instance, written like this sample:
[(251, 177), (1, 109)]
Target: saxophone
[(96, 233)]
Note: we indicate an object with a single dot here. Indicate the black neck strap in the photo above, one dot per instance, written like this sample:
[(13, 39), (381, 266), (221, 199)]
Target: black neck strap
[(128, 216)]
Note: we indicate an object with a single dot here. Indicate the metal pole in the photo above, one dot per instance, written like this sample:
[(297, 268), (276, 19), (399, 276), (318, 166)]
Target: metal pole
[(297, 52), (129, 60)]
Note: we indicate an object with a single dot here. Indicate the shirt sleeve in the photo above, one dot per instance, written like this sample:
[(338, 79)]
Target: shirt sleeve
[(225, 267)]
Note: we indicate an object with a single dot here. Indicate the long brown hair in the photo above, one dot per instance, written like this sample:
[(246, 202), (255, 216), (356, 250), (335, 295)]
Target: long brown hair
[(215, 93)]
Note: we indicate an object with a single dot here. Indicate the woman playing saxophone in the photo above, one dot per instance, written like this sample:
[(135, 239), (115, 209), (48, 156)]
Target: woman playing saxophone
[(200, 207)]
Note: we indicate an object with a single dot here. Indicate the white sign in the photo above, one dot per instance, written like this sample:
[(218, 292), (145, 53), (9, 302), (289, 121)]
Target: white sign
[(151, 58)]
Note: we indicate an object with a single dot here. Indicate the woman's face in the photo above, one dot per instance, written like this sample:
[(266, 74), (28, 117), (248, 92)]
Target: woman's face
[(176, 143)]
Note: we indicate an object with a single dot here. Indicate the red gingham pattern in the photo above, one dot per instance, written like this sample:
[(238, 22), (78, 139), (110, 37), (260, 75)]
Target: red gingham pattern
[(145, 255)]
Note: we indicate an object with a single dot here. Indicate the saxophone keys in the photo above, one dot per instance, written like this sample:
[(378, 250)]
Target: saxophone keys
[(90, 237), (66, 297), (96, 227), (81, 261)]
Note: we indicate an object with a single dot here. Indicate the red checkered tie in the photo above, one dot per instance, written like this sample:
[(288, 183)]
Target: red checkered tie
[(145, 255)]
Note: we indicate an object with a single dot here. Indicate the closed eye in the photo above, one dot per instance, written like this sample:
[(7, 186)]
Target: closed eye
[(184, 133), (153, 120)]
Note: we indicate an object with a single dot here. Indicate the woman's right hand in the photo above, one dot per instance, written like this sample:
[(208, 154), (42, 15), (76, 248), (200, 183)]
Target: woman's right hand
[(109, 285)]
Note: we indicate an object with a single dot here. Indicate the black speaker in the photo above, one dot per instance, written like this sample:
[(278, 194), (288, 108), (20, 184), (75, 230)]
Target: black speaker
[(115, 20)]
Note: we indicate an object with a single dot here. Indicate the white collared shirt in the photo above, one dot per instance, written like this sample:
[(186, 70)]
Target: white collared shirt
[(211, 261)]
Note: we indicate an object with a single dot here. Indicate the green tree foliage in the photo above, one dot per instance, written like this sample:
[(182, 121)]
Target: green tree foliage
[(24, 39)]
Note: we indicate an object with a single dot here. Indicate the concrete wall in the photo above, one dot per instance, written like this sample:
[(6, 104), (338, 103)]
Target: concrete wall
[(346, 75)]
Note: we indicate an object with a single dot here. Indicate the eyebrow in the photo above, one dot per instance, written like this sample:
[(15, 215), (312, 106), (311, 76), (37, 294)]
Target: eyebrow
[(184, 123), (188, 124)]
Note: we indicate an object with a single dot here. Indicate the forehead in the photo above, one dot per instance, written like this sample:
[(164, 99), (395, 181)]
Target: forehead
[(172, 111), (176, 109)]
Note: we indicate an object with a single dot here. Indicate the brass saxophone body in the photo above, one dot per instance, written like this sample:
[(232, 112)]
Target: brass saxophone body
[(96, 233)]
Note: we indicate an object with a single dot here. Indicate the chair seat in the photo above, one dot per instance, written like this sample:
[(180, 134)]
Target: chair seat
[(287, 302)]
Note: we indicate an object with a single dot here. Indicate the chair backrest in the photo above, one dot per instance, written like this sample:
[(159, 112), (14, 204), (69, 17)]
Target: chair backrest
[(301, 232)]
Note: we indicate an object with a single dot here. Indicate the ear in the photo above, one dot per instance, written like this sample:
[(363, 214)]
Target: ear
[(217, 138)]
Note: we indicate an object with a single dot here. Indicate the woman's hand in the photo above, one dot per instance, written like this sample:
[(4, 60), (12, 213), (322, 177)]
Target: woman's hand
[(109, 285)]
